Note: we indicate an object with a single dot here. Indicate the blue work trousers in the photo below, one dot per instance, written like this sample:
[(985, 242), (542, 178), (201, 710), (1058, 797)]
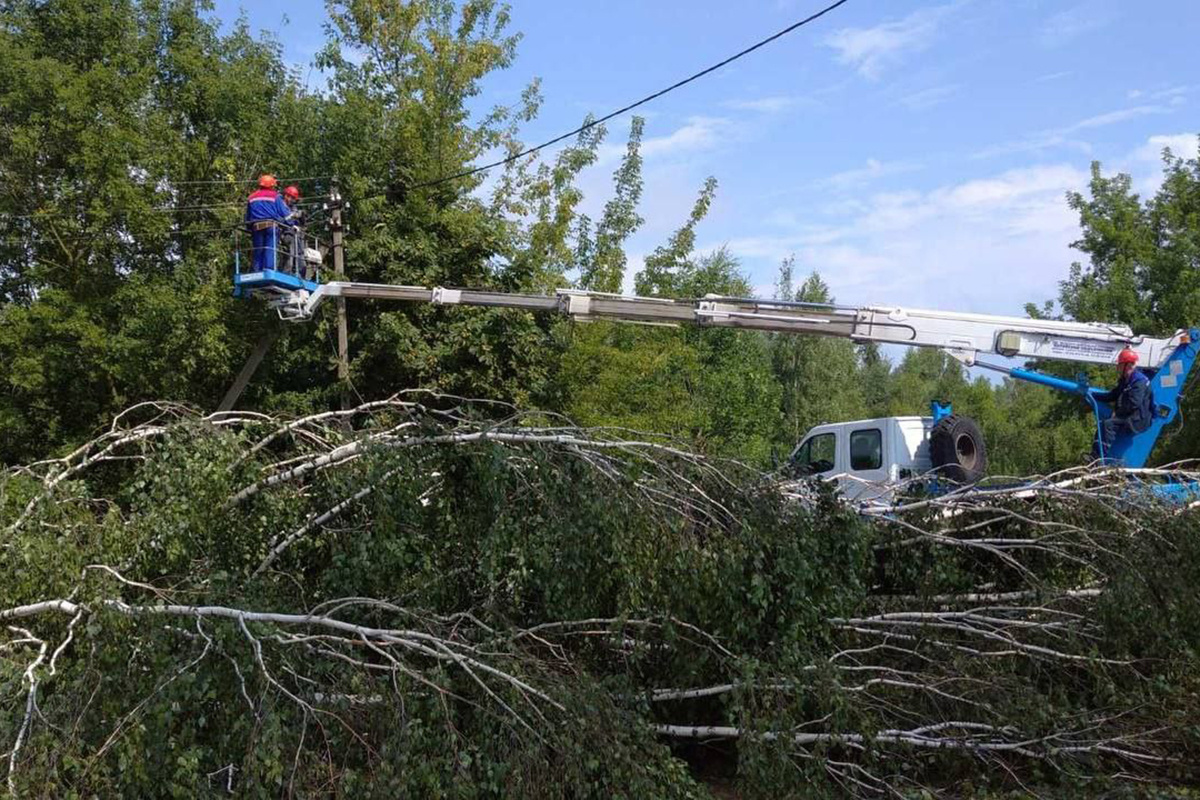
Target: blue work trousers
[(1110, 429), (265, 242)]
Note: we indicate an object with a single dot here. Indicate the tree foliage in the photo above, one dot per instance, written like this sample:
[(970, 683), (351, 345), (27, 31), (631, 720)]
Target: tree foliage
[(821, 378), (711, 388), (418, 598)]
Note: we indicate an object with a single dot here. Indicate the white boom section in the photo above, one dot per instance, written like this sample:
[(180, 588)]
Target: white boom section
[(962, 335)]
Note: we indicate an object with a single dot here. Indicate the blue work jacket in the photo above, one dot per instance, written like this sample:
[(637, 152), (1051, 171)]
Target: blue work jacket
[(267, 204), (1132, 399)]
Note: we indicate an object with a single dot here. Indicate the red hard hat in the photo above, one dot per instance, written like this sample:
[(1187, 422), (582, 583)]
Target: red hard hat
[(1127, 356), (292, 192), (267, 182)]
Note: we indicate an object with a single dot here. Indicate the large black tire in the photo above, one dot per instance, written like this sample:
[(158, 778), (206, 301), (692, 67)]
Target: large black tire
[(957, 449)]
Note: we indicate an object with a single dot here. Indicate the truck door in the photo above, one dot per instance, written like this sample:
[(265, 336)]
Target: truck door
[(817, 455), (867, 458)]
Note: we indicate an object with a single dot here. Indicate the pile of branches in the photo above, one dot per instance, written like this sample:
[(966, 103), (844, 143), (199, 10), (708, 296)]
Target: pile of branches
[(431, 595)]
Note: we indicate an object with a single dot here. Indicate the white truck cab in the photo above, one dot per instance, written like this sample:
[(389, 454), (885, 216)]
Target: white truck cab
[(867, 457)]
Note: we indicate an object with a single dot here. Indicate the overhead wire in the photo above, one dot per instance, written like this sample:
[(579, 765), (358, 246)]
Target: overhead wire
[(25, 240), (250, 181), (159, 209), (593, 123), (171, 210), (255, 180), (212, 181), (177, 232)]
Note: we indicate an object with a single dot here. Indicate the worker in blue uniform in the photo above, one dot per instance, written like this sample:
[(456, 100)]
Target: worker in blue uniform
[(266, 212), (1132, 401), (289, 242)]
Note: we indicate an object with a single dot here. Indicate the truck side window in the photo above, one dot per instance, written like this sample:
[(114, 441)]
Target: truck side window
[(866, 449), (816, 455)]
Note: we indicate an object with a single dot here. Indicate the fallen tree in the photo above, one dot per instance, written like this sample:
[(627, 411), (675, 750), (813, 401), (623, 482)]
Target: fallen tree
[(433, 596)]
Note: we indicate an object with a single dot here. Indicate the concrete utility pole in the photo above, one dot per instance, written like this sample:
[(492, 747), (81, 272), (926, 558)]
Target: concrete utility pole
[(251, 365), (339, 269)]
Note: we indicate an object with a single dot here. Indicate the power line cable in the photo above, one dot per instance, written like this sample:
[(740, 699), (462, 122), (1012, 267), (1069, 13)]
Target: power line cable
[(219, 206), (18, 240), (309, 202), (215, 181), (250, 181), (762, 43)]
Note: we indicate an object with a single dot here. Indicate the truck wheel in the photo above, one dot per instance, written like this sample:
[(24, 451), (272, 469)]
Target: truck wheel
[(957, 450)]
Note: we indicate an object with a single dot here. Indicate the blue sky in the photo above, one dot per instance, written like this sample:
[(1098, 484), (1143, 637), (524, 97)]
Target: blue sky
[(913, 153)]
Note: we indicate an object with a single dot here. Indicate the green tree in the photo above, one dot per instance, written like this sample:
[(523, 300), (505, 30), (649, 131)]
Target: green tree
[(876, 379), (601, 259), (665, 270), (1024, 435), (819, 378), (1142, 269), (713, 388), (113, 259), (922, 376), (1143, 265)]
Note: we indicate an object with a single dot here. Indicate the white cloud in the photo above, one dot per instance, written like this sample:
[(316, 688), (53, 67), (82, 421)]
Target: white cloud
[(1062, 137), (871, 50), (1052, 76), (1010, 186), (928, 98), (1068, 25), (1182, 145), (871, 171), (700, 133), (1030, 145), (1014, 203), (764, 105), (1174, 95), (987, 244), (1113, 117), (697, 133)]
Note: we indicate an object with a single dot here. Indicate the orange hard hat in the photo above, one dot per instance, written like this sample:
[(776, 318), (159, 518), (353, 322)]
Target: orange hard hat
[(267, 182), (292, 192), (1127, 356)]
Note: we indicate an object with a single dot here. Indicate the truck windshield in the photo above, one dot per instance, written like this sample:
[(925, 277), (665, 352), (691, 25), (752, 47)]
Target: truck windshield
[(816, 455)]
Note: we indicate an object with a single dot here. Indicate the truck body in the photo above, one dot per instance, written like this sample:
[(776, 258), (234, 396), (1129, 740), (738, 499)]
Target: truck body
[(866, 458)]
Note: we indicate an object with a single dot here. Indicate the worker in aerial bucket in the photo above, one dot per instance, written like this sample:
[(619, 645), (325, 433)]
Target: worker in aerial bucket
[(292, 245), (291, 196), (266, 213), (1132, 401)]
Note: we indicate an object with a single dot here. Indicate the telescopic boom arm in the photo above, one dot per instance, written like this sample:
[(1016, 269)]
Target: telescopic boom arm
[(964, 336), (1168, 361)]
